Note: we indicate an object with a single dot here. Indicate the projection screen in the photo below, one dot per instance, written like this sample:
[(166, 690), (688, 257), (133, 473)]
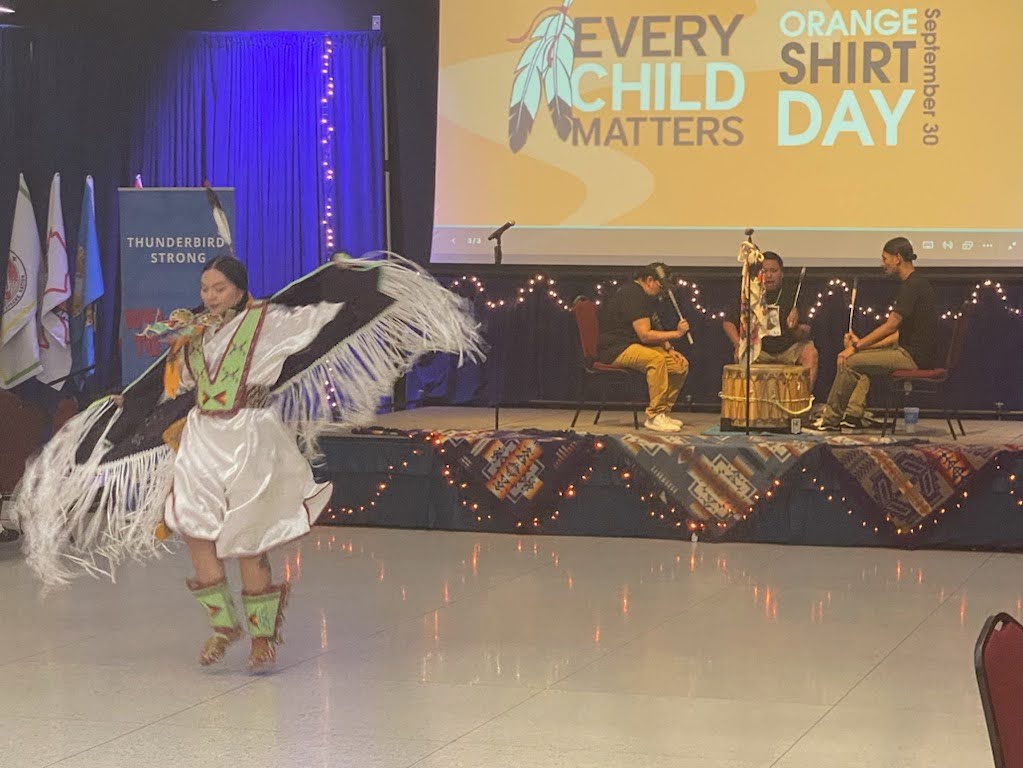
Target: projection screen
[(620, 133)]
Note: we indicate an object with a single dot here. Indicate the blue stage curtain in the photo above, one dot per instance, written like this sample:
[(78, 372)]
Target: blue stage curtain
[(357, 115), (244, 110), (239, 109)]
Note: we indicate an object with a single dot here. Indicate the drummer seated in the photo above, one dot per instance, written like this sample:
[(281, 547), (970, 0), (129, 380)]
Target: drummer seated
[(630, 337), (786, 338), (906, 340)]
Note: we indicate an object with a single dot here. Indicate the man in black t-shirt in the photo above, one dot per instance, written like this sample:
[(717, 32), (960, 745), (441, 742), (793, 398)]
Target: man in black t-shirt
[(786, 340), (629, 337), (906, 340)]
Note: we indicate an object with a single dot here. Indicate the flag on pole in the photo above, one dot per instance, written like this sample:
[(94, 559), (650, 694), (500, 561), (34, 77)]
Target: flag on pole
[(88, 284), (55, 333), (19, 337)]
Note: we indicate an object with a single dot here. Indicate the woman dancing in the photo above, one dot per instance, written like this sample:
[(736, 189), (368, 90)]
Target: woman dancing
[(216, 446)]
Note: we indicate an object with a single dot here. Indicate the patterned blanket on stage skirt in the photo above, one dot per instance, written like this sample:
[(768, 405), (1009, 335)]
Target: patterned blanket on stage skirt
[(716, 480), (906, 486), (516, 473)]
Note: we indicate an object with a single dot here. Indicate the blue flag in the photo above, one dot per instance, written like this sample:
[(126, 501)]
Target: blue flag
[(88, 284)]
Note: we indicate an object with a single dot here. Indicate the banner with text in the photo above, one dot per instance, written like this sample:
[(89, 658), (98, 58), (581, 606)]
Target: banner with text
[(616, 132), (167, 236)]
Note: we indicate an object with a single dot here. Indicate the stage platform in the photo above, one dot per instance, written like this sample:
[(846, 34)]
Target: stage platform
[(448, 469)]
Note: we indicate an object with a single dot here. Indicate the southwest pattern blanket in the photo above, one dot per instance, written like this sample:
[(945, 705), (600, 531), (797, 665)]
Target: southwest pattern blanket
[(715, 479), (907, 485), (518, 473)]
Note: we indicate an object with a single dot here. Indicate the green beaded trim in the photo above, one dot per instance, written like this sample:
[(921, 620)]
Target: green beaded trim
[(222, 392), (219, 605), (261, 613)]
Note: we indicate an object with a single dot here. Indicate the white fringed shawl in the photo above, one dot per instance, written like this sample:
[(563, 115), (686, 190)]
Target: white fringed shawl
[(91, 516)]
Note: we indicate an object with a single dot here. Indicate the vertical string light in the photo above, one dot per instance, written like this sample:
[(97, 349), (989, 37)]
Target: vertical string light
[(327, 145)]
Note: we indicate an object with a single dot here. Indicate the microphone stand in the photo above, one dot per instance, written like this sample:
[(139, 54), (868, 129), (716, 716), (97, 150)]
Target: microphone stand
[(498, 256), (498, 253)]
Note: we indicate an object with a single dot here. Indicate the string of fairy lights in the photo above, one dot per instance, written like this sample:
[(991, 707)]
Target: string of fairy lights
[(327, 144), (658, 507), (950, 314), (547, 286), (543, 285)]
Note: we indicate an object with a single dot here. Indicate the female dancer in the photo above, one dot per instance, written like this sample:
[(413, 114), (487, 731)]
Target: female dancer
[(244, 385)]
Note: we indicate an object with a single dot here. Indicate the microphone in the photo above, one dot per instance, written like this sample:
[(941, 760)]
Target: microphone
[(501, 230)]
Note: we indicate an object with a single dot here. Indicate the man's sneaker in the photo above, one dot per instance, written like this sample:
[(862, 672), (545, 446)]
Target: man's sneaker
[(821, 425), (860, 422), (661, 423), (676, 422), (870, 420)]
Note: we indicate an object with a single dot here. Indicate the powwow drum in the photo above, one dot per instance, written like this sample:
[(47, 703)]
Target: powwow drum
[(779, 396)]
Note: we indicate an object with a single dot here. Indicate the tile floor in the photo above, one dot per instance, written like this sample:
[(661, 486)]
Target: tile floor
[(455, 649)]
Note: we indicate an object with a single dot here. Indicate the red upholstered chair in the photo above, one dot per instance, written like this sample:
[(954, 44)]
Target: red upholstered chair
[(593, 371), (929, 381), (24, 428), (998, 660)]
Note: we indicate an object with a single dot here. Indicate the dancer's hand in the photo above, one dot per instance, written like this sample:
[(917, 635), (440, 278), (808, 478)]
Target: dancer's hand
[(793, 319), (683, 328), (844, 355), (118, 400), (850, 339)]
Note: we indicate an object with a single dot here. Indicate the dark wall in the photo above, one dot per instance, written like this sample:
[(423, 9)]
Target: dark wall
[(411, 29)]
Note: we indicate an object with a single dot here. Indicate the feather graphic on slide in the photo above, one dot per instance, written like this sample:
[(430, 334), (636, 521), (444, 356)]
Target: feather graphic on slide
[(558, 76), (525, 98), (536, 65)]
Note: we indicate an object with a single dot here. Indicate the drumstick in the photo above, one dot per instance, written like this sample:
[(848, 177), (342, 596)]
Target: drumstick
[(852, 303), (663, 277), (799, 287)]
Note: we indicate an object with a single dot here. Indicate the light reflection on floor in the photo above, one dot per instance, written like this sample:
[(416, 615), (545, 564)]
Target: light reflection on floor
[(452, 649)]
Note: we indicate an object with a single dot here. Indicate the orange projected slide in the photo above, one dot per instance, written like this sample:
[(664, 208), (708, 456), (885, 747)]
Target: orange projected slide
[(619, 133)]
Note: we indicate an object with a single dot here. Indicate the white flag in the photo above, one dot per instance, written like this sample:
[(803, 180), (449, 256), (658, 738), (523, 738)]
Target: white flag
[(19, 337), (55, 335)]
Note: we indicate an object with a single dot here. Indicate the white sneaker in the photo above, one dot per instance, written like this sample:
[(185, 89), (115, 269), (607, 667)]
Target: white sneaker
[(661, 423), (677, 422)]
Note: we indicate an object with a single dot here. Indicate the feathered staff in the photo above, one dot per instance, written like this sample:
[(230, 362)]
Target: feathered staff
[(751, 301), (545, 68)]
